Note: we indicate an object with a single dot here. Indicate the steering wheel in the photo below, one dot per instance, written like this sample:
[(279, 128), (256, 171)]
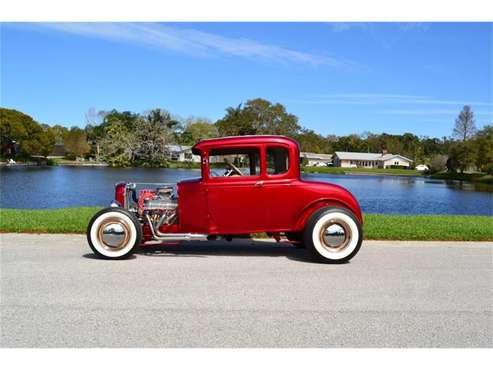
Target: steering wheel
[(235, 170)]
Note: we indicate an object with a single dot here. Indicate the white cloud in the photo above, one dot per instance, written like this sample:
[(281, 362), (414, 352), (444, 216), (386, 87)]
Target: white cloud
[(384, 34), (381, 98), (191, 42), (365, 26), (435, 112), (420, 112), (346, 26)]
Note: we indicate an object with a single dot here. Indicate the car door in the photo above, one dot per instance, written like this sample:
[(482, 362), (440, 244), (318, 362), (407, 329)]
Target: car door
[(235, 201), (280, 195)]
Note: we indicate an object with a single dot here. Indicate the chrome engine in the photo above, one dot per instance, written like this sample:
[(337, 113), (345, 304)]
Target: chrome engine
[(158, 206)]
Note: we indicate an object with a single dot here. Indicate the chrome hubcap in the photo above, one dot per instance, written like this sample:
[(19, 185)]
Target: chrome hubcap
[(335, 235), (114, 234)]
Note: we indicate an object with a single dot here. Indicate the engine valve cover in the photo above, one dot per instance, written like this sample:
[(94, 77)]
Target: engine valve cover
[(157, 203)]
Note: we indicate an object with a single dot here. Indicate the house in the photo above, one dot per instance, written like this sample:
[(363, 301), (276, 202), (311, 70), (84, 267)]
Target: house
[(181, 153), (317, 159), (422, 167), (370, 160)]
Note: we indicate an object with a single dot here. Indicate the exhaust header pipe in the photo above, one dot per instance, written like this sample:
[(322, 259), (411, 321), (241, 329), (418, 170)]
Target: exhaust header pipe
[(173, 236)]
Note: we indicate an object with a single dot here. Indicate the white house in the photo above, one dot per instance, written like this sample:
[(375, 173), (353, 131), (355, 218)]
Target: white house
[(317, 159), (370, 160), (422, 167), (181, 153)]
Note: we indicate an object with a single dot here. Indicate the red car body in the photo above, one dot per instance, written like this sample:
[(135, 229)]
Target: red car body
[(249, 204)]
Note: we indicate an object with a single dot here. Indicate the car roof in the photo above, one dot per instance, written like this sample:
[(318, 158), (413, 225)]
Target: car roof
[(242, 140)]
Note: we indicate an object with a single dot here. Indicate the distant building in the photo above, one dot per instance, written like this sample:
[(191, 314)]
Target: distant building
[(422, 167), (370, 160), (181, 153), (317, 159)]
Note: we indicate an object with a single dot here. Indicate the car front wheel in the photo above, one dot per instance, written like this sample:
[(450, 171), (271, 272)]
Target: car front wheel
[(114, 233), (333, 235)]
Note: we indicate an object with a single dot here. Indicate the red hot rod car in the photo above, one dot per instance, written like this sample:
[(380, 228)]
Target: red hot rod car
[(248, 184)]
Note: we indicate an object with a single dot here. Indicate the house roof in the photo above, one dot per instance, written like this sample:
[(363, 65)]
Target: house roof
[(322, 156), (177, 148), (357, 156), (386, 157)]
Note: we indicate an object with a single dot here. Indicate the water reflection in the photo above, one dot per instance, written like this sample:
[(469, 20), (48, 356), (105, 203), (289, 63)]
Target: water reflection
[(469, 186)]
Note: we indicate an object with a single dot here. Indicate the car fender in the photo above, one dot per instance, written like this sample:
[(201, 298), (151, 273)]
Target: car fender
[(320, 203)]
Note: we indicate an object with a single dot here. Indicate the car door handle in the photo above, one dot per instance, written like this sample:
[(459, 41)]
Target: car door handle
[(259, 184)]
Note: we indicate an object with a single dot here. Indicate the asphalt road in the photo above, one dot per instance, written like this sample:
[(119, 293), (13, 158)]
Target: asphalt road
[(54, 293)]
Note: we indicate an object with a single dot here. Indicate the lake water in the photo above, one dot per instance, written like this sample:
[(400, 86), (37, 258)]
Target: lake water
[(57, 187)]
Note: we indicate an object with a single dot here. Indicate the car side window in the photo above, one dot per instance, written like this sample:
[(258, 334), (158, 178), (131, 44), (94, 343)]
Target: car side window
[(234, 162), (277, 160)]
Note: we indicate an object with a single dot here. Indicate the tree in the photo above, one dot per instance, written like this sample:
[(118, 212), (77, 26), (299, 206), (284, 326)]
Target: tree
[(60, 132), (125, 118), (484, 145), (350, 143), (197, 129), (12, 129), (432, 146), (438, 163), (20, 130), (47, 141), (137, 139), (118, 145), (461, 156), (258, 117), (465, 126), (312, 142), (373, 142), (114, 139), (76, 142), (393, 144), (152, 134)]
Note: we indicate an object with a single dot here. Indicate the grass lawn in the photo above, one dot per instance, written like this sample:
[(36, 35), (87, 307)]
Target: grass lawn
[(373, 171), (60, 220), (389, 227), (428, 227)]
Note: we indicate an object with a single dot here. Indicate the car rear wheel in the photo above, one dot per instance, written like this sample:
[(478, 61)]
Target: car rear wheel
[(333, 235), (114, 233)]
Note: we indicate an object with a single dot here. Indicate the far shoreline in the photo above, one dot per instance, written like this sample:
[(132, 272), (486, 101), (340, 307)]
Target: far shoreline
[(468, 178)]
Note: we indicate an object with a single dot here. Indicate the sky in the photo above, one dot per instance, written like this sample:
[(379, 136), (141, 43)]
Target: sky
[(338, 78)]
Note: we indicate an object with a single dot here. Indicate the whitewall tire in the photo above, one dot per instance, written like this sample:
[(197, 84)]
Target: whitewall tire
[(333, 235), (114, 233)]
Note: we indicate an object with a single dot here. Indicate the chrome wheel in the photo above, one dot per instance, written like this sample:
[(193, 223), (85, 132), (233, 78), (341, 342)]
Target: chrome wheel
[(335, 235), (114, 234)]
